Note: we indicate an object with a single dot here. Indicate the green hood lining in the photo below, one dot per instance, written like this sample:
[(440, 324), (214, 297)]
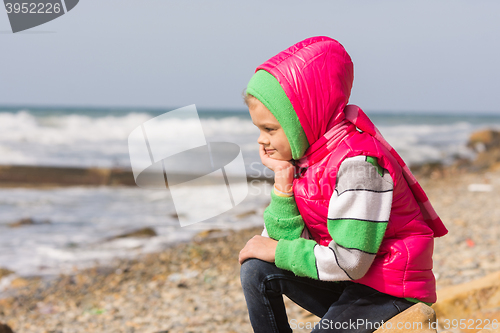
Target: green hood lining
[(266, 88)]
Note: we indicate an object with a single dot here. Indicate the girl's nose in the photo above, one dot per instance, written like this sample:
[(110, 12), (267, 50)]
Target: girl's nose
[(262, 140)]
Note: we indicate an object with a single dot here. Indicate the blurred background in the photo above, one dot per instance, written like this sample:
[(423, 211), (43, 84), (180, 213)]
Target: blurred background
[(72, 90)]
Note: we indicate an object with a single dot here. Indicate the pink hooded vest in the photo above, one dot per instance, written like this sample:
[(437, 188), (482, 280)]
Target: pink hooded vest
[(317, 75)]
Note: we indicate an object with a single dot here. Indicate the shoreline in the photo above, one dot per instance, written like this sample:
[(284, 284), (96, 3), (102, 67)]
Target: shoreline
[(32, 176), (57, 176)]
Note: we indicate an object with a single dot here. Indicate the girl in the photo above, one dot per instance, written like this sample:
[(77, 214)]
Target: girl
[(349, 231)]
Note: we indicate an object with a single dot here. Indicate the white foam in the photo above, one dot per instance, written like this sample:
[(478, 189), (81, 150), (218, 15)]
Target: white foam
[(84, 220), (83, 141), (423, 143)]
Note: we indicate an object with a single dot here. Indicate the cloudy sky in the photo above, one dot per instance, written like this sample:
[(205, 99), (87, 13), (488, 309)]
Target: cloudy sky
[(408, 55)]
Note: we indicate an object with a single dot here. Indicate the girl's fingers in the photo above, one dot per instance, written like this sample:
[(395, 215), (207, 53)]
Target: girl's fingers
[(262, 153), (243, 255), (263, 157), (270, 162)]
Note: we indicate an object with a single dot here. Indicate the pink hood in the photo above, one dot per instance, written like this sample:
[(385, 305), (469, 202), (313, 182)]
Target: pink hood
[(316, 75)]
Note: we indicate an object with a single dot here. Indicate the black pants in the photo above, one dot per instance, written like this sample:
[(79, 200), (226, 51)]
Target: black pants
[(342, 306)]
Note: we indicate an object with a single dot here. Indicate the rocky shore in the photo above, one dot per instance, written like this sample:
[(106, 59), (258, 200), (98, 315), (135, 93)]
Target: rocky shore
[(194, 287), (47, 176)]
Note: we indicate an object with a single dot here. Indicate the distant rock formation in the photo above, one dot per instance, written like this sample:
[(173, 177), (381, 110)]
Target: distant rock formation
[(27, 221), (143, 232), (19, 175), (5, 272), (37, 176), (486, 143)]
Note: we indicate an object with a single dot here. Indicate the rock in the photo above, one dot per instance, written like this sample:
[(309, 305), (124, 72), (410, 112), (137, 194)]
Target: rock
[(19, 282), (418, 318), (210, 233), (246, 214), (15, 175), (4, 328), (487, 145), (121, 177), (430, 169), (475, 301), (487, 160), (176, 216), (4, 272), (51, 176), (143, 232), (484, 140), (27, 221), (21, 222)]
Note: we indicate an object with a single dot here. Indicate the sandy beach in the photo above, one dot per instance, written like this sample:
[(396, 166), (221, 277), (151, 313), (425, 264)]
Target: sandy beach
[(194, 286)]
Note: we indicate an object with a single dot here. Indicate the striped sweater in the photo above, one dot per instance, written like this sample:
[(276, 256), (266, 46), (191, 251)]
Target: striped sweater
[(358, 214)]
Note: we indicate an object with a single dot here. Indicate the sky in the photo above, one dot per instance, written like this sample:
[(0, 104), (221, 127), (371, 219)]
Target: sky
[(432, 56)]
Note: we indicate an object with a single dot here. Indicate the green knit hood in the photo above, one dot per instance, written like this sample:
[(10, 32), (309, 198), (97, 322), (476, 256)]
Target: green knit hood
[(266, 88)]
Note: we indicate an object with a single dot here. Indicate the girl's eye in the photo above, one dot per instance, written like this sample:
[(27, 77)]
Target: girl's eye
[(269, 129)]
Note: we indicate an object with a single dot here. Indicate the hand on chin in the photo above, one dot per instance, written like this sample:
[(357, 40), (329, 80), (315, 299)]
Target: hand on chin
[(272, 160)]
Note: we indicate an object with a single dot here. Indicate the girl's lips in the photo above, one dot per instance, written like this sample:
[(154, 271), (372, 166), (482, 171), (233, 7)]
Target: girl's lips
[(270, 151)]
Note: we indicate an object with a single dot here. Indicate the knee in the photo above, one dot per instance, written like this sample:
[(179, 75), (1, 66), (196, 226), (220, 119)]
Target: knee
[(253, 273)]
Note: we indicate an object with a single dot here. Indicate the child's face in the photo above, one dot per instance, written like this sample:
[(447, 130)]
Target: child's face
[(272, 136)]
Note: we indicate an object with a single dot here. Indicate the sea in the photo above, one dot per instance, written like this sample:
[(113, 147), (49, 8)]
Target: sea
[(76, 227)]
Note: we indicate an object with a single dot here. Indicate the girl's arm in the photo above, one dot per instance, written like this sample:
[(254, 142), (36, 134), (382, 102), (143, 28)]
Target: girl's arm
[(358, 215), (282, 219)]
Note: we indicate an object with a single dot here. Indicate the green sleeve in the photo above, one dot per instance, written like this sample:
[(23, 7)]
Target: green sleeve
[(297, 256), (284, 223), (282, 218)]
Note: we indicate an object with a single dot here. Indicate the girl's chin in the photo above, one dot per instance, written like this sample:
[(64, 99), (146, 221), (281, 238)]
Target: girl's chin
[(276, 156)]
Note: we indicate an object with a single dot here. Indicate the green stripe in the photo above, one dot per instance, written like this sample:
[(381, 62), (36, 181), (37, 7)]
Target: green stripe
[(374, 162), (357, 234), (297, 256)]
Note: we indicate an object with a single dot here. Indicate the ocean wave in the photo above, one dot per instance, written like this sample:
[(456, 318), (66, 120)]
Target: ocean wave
[(80, 140), (77, 226)]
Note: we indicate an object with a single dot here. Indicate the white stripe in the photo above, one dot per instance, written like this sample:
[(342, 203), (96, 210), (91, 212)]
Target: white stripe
[(328, 270), (363, 205), (354, 262)]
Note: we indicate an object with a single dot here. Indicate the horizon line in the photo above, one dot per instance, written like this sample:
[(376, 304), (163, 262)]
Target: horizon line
[(237, 110)]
